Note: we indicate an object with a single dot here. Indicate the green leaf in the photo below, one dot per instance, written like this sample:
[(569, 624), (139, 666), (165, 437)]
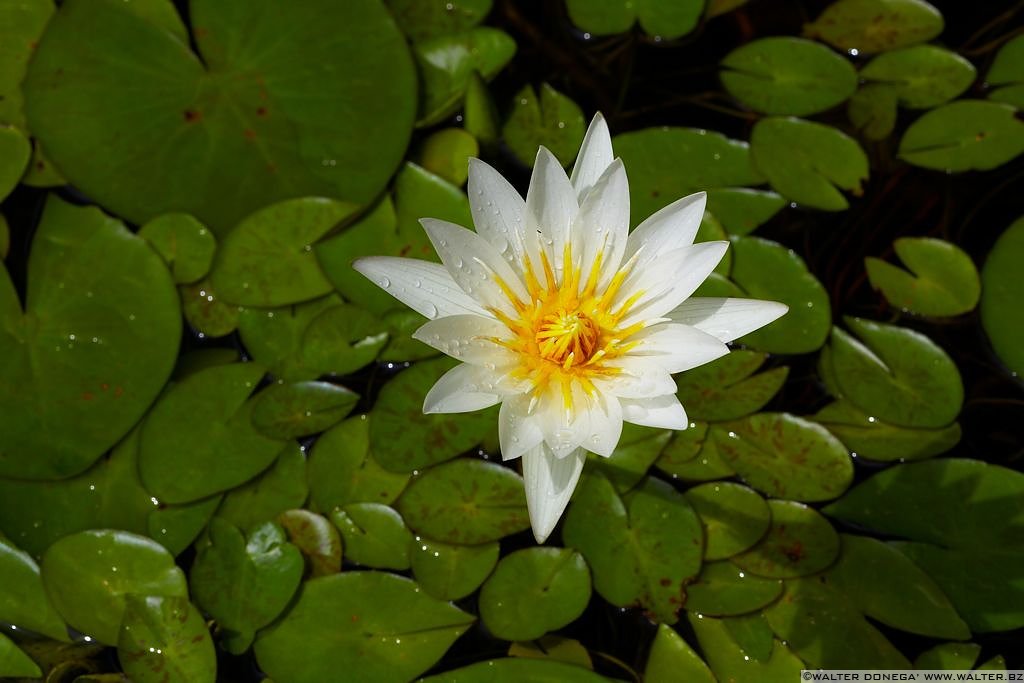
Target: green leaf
[(742, 210), (667, 163), (421, 20), (692, 455), (871, 438), (636, 451), (922, 76), (281, 487), (451, 572), (964, 135), (1006, 71), (515, 670), (207, 312), (787, 76), (643, 548), (165, 640), (95, 343), (41, 172), (14, 154), (870, 26), (768, 270), (288, 411), (404, 439), (943, 280), (316, 538), (553, 648), (23, 601), (534, 591), (446, 153), (734, 517), (480, 114), (722, 589), (378, 624), (14, 662), (244, 583), (730, 662), (447, 62), (552, 120), (873, 109), (199, 438), (896, 374), (659, 19), (949, 656), (374, 535), (21, 24), (465, 501), (184, 243), (727, 388), (89, 574), (807, 161), (799, 542), (672, 657), (1001, 293), (242, 124)]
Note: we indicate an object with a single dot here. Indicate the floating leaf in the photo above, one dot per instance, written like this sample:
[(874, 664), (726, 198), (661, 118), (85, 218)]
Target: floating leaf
[(205, 311), (659, 19), (551, 120), (787, 76), (807, 161), (281, 487), (244, 583), (374, 535), (734, 516), (643, 548), (21, 24), (480, 114), (421, 20), (722, 589), (1001, 293), (241, 127), (14, 662), (165, 640), (184, 243), (451, 572), (922, 76), (949, 656), (742, 210), (727, 388), (553, 648), (534, 591), (692, 455), (730, 662), (636, 451), (378, 624), (872, 110), (1006, 71), (288, 411), (465, 501), (92, 347), (89, 574), (316, 538), (869, 26), (799, 542), (14, 154), (671, 657), (515, 670), (23, 601), (871, 438), (446, 153), (964, 135), (943, 280)]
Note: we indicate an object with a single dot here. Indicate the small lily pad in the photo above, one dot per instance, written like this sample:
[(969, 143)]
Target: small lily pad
[(742, 210), (553, 648), (534, 591), (872, 438), (799, 542), (809, 162), (1002, 291), (949, 656), (374, 535), (943, 280), (692, 455), (316, 538), (184, 243), (206, 312), (552, 120), (922, 76), (515, 670), (672, 657), (24, 602), (281, 487), (659, 19), (420, 20), (870, 26), (873, 109), (465, 501), (165, 640), (727, 388), (723, 589), (451, 572), (21, 25), (446, 153), (1006, 71), (288, 411), (787, 76), (730, 662), (734, 516), (480, 114), (966, 135)]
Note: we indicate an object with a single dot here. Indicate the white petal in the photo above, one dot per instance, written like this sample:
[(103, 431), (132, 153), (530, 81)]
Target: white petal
[(605, 425), (518, 431), (498, 211), (549, 482), (594, 158), (460, 391), (677, 347), (727, 319), (468, 338), (425, 287), (474, 264), (551, 207), (639, 377), (565, 428), (667, 282), (602, 225), (668, 229), (663, 412)]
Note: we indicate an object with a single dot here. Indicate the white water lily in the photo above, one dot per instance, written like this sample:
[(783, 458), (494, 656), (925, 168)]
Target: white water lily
[(560, 314)]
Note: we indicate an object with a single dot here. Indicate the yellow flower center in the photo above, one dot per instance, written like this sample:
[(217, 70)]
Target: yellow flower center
[(567, 337)]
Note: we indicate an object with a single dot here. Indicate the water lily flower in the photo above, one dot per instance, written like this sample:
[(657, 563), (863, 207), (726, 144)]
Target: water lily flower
[(562, 315)]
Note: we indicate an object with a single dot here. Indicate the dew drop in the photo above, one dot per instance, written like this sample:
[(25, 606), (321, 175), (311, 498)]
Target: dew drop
[(385, 282)]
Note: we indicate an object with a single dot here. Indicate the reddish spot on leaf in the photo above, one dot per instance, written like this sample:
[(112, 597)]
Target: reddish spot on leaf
[(104, 386), (262, 111), (795, 552), (191, 115), (201, 32), (249, 133), (404, 250), (665, 581), (355, 618), (87, 396), (118, 392)]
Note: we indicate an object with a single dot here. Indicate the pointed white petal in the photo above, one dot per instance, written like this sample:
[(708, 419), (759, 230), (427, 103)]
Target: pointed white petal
[(670, 228), (639, 377), (602, 225), (475, 265), (549, 482), (605, 425), (468, 338), (498, 211), (594, 158), (663, 412), (727, 319), (460, 391), (565, 427), (425, 287), (677, 347), (551, 207), (518, 431)]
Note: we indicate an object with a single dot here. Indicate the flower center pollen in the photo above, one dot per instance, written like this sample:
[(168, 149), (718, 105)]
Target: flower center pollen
[(567, 337)]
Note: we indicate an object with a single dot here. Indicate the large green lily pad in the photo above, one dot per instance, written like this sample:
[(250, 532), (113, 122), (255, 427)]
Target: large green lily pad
[(1001, 293), (165, 640), (89, 352), (966, 135), (237, 127), (870, 437), (943, 279), (869, 26), (922, 76)]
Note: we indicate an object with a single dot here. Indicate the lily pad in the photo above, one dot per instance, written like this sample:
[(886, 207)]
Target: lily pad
[(281, 487), (244, 583), (451, 572), (206, 312), (734, 516), (480, 114), (14, 155), (672, 657), (92, 347), (966, 135), (378, 624), (896, 374), (14, 662), (1002, 290), (869, 26), (551, 120), (659, 19), (809, 162), (799, 542), (636, 451), (668, 163), (23, 602), (692, 455), (742, 210), (949, 656), (165, 640), (943, 280), (21, 24), (787, 76), (643, 548), (255, 104), (465, 501), (446, 153), (723, 589), (727, 388), (922, 76), (873, 109), (316, 538), (1006, 71), (869, 437), (534, 591), (421, 20), (89, 574), (199, 438), (184, 243), (516, 669), (374, 535), (288, 411), (730, 662)]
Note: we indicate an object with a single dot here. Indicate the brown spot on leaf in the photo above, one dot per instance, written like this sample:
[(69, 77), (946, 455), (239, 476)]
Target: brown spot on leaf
[(262, 111), (192, 115), (87, 396), (249, 133)]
